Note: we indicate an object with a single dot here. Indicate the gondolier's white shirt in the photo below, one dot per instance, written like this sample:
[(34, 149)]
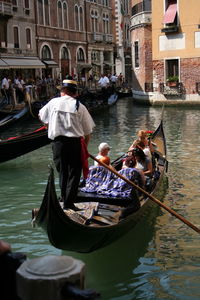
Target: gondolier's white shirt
[(63, 119)]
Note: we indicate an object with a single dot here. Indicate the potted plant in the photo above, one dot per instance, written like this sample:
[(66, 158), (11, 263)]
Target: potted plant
[(172, 80)]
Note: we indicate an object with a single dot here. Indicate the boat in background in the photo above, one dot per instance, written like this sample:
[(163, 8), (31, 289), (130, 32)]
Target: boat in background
[(124, 92), (10, 115), (101, 219), (94, 100), (19, 145)]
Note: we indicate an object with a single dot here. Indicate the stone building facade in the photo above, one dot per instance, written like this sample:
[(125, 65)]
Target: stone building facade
[(18, 49)]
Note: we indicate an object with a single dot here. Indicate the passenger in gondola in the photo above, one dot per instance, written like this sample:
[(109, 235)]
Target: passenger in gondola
[(143, 163), (69, 123), (130, 162), (142, 137), (102, 156)]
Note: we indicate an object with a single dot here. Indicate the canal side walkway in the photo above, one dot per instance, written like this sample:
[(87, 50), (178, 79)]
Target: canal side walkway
[(186, 103), (158, 99)]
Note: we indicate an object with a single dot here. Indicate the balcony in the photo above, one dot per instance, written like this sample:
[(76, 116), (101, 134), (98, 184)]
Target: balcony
[(98, 37), (141, 19), (108, 38), (176, 90), (6, 9)]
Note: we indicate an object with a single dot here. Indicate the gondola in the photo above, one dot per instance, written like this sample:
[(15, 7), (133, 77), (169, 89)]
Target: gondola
[(95, 101), (124, 92), (10, 117), (16, 146), (71, 230)]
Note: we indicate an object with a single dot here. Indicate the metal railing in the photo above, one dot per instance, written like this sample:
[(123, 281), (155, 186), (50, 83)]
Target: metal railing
[(175, 90), (6, 8)]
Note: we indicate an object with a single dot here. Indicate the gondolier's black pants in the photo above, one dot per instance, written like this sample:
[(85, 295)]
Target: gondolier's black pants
[(67, 159)]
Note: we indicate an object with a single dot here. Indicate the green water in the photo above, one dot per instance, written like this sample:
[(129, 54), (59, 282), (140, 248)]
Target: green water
[(160, 258)]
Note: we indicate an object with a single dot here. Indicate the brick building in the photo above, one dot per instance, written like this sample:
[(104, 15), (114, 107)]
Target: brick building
[(165, 49), (75, 37)]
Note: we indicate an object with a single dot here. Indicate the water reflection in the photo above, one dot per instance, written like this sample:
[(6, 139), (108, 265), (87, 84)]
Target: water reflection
[(160, 258)]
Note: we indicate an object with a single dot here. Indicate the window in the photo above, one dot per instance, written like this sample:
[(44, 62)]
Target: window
[(80, 55), (46, 12), (172, 68), (16, 37), (95, 56), (3, 34), (105, 2), (65, 15), (26, 4), (46, 53), (170, 16), (64, 53), (28, 38), (43, 12), (136, 52), (105, 23), (60, 20), (81, 18), (76, 18), (94, 19), (40, 12)]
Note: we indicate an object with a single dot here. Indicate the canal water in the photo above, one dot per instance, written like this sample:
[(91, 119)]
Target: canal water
[(160, 257)]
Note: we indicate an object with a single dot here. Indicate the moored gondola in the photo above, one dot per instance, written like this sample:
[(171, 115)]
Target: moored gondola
[(16, 146), (100, 220)]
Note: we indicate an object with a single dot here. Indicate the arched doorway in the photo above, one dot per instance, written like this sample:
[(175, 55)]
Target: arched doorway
[(65, 68)]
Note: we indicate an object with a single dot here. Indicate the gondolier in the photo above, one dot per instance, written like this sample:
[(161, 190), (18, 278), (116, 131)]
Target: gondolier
[(68, 121)]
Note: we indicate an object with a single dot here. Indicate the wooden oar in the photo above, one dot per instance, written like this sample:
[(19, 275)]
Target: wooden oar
[(171, 211)]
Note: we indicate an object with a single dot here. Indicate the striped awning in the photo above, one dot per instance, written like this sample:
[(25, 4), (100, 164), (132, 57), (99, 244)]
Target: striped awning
[(170, 13), (23, 63), (50, 63), (3, 65)]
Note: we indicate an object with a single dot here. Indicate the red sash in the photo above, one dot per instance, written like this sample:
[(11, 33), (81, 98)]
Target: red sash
[(84, 158)]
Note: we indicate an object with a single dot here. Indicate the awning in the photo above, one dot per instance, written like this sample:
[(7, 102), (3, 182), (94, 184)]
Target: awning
[(80, 67), (170, 13), (23, 63), (3, 65), (50, 63)]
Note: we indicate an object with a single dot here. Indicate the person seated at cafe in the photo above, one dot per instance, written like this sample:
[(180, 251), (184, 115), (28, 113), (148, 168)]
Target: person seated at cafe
[(102, 156)]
